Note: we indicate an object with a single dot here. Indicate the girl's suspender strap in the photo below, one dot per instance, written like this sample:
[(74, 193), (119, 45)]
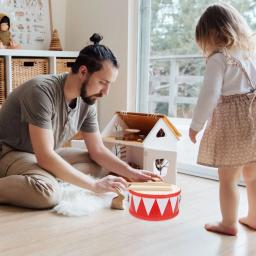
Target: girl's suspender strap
[(233, 61)]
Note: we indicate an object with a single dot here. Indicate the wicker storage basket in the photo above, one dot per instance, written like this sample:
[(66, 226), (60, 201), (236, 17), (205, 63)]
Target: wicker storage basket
[(2, 81), (24, 69), (64, 65)]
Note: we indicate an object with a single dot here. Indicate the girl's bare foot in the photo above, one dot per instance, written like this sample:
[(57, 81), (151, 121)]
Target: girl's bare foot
[(249, 223), (219, 228)]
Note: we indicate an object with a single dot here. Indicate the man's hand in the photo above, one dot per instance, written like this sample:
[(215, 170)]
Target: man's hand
[(105, 158), (143, 175), (192, 135), (110, 183)]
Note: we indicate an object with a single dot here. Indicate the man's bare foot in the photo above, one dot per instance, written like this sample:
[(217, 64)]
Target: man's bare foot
[(249, 223), (219, 228)]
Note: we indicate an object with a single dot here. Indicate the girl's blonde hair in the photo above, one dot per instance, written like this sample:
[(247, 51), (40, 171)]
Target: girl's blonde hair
[(222, 26)]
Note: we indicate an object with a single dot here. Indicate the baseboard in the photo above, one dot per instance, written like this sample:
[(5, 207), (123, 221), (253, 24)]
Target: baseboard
[(201, 171), (196, 170)]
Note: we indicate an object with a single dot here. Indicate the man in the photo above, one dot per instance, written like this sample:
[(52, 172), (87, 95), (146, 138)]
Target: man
[(43, 113)]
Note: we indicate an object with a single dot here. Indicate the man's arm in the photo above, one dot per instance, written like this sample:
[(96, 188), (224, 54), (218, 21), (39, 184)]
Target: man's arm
[(43, 145), (105, 158)]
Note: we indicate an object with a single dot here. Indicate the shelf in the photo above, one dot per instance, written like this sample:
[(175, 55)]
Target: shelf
[(37, 53), (10, 56)]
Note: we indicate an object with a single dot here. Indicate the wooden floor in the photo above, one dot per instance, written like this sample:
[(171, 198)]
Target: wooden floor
[(115, 233)]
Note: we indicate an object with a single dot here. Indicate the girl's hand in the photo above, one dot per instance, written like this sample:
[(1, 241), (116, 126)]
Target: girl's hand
[(143, 175), (192, 135)]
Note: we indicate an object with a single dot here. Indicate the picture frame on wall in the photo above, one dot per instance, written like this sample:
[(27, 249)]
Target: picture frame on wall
[(31, 22)]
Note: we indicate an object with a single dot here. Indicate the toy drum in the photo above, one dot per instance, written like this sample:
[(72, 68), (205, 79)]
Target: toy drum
[(154, 200)]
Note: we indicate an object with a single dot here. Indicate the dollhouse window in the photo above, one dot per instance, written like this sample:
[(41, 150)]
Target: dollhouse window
[(160, 133), (160, 166)]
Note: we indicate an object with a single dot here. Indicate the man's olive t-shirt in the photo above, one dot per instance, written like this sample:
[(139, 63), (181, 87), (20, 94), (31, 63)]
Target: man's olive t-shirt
[(41, 102)]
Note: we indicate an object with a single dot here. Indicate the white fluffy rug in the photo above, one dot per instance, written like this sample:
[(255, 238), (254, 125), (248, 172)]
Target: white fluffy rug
[(76, 201)]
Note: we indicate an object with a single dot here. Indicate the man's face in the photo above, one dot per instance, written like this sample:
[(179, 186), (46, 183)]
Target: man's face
[(97, 84)]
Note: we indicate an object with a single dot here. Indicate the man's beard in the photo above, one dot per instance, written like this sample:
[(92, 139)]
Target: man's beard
[(90, 100)]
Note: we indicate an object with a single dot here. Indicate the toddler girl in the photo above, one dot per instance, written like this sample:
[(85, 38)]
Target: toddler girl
[(228, 101)]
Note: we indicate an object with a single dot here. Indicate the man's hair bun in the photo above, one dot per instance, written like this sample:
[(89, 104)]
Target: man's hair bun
[(96, 38)]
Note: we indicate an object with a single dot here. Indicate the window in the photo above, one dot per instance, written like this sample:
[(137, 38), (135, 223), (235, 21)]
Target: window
[(171, 66)]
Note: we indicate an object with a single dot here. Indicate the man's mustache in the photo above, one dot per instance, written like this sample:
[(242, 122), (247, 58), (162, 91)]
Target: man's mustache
[(98, 95)]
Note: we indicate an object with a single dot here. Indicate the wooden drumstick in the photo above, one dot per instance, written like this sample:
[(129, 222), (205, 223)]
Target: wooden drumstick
[(150, 186), (150, 183)]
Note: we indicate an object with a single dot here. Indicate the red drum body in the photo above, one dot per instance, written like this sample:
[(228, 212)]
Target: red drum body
[(154, 201)]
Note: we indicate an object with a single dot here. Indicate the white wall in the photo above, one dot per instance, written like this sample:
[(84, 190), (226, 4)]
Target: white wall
[(59, 11), (115, 20)]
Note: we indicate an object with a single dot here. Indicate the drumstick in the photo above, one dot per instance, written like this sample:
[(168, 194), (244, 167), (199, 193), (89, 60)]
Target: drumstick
[(150, 183), (150, 186), (146, 188)]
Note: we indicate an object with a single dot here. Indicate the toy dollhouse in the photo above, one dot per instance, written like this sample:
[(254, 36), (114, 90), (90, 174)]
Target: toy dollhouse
[(145, 141)]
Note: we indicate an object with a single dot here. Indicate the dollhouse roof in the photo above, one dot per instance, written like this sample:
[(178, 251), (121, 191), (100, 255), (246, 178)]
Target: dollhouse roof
[(145, 122), (152, 131)]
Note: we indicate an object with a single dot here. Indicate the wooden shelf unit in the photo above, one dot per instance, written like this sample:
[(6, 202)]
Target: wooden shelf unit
[(10, 55)]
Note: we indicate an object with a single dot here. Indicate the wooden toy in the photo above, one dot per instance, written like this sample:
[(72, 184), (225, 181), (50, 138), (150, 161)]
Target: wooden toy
[(55, 44), (118, 201), (6, 41), (147, 141)]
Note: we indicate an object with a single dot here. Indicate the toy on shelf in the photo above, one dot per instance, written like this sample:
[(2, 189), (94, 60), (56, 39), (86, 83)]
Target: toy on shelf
[(55, 44), (147, 141), (6, 41)]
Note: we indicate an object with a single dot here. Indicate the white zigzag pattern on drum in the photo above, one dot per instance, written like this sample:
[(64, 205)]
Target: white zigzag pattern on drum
[(148, 203)]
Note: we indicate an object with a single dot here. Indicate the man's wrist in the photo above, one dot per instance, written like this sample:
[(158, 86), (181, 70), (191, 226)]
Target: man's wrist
[(130, 172), (90, 183), (93, 186)]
